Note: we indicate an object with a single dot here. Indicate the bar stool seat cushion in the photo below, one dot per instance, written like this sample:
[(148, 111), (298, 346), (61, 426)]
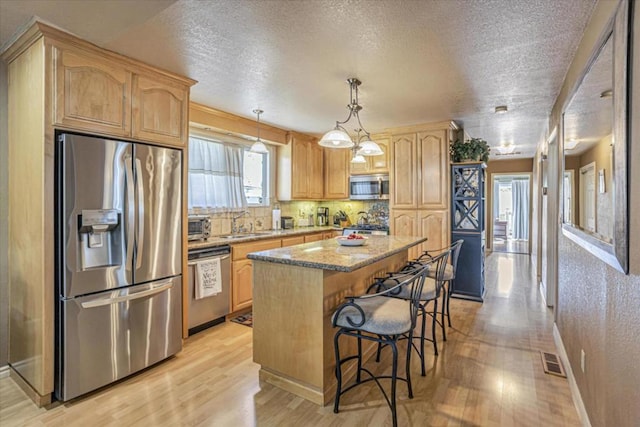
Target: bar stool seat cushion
[(428, 290), (447, 275), (383, 316)]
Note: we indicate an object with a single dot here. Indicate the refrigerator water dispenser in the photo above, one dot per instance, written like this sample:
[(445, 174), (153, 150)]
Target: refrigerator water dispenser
[(99, 247)]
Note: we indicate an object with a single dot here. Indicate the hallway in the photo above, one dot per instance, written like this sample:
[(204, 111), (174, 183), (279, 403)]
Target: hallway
[(488, 373)]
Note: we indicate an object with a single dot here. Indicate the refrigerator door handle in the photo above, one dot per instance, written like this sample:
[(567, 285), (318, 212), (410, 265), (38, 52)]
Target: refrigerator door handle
[(156, 289), (140, 241), (130, 210)]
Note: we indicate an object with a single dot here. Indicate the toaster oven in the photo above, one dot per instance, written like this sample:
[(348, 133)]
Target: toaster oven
[(199, 227)]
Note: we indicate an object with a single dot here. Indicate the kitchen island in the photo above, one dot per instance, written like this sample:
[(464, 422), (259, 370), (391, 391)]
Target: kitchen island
[(296, 290)]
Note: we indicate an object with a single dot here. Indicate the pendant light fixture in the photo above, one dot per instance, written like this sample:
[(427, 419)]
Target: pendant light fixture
[(258, 146), (338, 137)]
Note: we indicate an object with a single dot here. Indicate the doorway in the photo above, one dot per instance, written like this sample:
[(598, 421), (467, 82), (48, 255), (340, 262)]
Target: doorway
[(588, 197), (511, 212)]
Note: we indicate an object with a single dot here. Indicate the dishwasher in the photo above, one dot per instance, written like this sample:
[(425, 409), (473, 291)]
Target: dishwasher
[(209, 311)]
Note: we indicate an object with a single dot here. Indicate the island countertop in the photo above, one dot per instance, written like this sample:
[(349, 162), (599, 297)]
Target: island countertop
[(330, 255)]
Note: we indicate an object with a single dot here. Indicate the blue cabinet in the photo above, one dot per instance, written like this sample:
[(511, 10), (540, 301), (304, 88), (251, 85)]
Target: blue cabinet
[(467, 222)]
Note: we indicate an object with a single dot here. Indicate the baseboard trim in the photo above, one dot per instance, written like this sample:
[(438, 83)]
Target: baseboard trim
[(575, 392), (4, 371)]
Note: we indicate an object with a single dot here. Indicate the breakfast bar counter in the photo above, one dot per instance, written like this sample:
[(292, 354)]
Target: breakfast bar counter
[(296, 289)]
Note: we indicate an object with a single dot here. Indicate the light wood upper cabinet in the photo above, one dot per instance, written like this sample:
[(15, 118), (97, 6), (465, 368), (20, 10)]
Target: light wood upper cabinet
[(336, 173), (315, 173), (374, 164), (100, 95), (299, 172), (404, 179), (91, 93), (433, 173), (159, 111)]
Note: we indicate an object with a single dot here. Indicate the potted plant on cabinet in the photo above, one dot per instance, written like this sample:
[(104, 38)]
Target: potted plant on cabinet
[(471, 150)]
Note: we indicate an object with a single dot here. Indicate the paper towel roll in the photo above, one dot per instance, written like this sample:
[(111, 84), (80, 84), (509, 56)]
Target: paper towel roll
[(275, 222)]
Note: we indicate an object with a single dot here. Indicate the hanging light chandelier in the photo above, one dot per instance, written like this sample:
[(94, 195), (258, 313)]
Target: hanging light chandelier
[(338, 137), (258, 146)]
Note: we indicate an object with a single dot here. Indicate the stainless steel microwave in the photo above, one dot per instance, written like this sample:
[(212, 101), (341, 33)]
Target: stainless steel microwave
[(369, 187), (199, 227)]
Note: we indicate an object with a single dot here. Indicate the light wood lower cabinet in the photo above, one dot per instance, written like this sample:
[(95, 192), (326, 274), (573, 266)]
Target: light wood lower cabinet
[(242, 268), (290, 241), (313, 237), (242, 271), (241, 279), (434, 225)]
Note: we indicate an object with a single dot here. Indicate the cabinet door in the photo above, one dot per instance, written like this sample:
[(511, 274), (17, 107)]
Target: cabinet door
[(160, 111), (242, 284), (336, 173), (291, 241), (404, 223), (315, 162), (313, 237), (433, 173), (404, 177), (374, 164), (300, 168), (434, 225), (380, 164), (91, 94)]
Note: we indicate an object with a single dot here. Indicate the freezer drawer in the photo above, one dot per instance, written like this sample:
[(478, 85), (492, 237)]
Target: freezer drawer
[(107, 336)]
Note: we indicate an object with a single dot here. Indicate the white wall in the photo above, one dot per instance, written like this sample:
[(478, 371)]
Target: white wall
[(4, 231)]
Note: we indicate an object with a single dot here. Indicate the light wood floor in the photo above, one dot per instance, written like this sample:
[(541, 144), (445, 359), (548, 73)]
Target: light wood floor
[(511, 246), (488, 373)]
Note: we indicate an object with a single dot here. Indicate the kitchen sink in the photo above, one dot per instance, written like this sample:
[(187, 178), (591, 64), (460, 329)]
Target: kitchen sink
[(242, 235)]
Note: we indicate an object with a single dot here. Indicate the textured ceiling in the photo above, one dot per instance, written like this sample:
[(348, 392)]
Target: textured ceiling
[(419, 61)]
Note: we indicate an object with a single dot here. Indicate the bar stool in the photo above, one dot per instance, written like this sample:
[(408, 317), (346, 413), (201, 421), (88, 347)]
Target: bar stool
[(448, 277), (377, 318), (430, 292)]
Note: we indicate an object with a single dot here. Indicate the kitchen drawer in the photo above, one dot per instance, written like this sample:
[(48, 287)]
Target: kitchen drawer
[(313, 237), (241, 250), (291, 241)]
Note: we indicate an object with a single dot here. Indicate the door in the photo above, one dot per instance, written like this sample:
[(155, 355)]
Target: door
[(588, 197), (158, 177), (93, 215), (110, 335)]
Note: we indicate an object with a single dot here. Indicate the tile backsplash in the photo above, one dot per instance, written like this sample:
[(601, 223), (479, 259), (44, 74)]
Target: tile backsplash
[(259, 218)]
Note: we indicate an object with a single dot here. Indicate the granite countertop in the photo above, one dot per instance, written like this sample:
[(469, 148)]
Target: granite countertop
[(329, 255), (258, 235)]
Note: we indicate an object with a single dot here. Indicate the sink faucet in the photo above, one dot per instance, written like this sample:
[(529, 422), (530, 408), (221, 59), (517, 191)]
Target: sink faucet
[(234, 228)]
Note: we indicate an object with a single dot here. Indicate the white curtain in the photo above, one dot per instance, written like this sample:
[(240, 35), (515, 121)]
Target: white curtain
[(520, 208), (215, 177)]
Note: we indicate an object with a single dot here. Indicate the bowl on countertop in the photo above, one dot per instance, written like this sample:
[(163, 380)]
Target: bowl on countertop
[(345, 241)]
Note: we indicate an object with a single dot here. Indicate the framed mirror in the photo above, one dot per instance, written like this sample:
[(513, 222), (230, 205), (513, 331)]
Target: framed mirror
[(594, 180)]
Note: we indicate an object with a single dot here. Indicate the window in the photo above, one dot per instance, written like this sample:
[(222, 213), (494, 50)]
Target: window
[(215, 177), (255, 178), (225, 177)]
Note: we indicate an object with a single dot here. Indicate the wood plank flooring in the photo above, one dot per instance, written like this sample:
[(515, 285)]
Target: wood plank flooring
[(488, 373)]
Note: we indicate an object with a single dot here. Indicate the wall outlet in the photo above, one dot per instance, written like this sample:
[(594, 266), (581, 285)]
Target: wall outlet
[(582, 360)]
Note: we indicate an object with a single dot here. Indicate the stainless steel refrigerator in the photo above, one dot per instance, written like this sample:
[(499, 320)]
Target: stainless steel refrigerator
[(118, 256)]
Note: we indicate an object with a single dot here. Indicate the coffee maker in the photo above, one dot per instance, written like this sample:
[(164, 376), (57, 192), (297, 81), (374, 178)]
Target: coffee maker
[(322, 216)]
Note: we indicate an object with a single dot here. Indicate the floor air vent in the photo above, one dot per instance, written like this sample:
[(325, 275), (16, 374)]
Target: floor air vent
[(552, 365)]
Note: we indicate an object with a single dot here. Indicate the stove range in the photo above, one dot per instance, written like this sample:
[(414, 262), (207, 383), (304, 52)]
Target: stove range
[(370, 229)]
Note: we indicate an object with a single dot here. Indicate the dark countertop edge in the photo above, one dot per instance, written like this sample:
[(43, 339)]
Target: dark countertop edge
[(331, 267), (268, 234)]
